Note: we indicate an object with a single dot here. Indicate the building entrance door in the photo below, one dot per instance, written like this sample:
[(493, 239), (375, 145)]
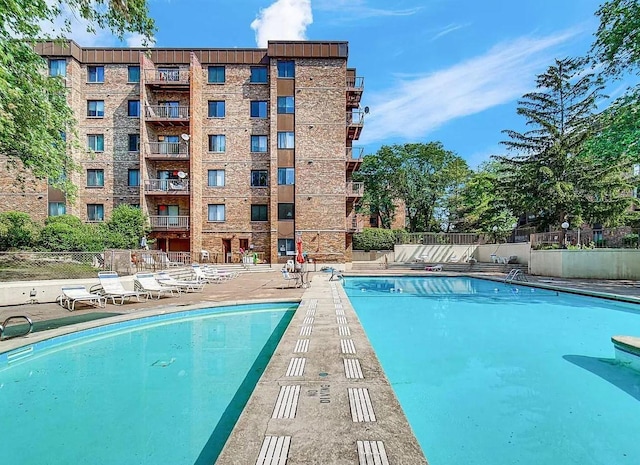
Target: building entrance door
[(226, 250)]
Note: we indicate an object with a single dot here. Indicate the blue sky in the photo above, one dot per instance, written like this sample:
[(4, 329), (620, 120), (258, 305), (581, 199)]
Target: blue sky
[(438, 70)]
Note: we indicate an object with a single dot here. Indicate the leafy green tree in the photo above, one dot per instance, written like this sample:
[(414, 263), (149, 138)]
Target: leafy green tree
[(617, 50), (67, 233), (34, 114), (125, 227), (617, 44), (482, 203), (17, 231), (549, 174), (378, 173)]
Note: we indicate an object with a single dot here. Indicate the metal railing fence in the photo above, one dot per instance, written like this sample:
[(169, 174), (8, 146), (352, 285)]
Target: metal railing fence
[(31, 266)]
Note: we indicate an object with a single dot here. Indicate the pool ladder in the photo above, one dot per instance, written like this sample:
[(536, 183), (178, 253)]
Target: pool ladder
[(515, 275), (15, 317)]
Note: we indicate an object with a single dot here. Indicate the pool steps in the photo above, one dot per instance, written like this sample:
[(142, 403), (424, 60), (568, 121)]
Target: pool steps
[(627, 349)]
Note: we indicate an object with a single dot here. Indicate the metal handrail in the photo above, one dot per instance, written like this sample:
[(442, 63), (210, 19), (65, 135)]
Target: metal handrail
[(515, 274), (3, 326)]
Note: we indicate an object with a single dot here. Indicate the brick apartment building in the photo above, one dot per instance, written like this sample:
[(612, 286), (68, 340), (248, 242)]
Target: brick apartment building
[(223, 149)]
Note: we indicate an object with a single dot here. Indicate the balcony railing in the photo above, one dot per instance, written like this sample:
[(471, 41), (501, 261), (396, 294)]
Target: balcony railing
[(168, 149), (355, 120), (163, 112), (355, 189), (355, 153), (355, 83), (355, 86), (167, 76), (355, 224), (169, 223), (166, 186)]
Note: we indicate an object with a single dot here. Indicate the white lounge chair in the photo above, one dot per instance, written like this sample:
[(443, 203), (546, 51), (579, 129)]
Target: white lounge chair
[(73, 294), (112, 287), (224, 275), (290, 278), (146, 282), (203, 277), (433, 268), (166, 279)]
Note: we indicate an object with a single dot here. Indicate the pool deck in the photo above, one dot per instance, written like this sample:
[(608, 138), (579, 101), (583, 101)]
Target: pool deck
[(323, 398)]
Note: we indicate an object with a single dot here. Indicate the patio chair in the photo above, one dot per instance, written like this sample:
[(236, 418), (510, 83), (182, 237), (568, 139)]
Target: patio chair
[(145, 282), (166, 261), (433, 268), (73, 294), (224, 275), (112, 287), (290, 278), (166, 279), (203, 277)]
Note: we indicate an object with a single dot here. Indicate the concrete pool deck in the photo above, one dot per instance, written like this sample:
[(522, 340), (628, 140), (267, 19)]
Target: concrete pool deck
[(323, 398)]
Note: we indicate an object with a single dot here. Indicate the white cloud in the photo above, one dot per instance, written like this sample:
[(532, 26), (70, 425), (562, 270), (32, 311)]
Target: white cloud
[(355, 10), (136, 40), (283, 20), (447, 30), (417, 106)]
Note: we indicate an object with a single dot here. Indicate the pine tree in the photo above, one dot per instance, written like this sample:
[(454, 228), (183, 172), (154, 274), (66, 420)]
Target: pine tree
[(548, 174)]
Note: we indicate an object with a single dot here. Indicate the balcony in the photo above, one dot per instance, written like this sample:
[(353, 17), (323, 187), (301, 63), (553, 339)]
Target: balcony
[(166, 186), (354, 157), (355, 190), (355, 223), (167, 116), (355, 121), (167, 151), (169, 223), (355, 87), (169, 78)]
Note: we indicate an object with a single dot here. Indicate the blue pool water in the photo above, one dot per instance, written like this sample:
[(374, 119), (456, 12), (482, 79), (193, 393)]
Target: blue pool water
[(163, 390), (494, 374)]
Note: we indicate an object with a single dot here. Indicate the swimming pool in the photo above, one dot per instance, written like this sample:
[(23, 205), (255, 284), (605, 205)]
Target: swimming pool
[(500, 374), (162, 390)]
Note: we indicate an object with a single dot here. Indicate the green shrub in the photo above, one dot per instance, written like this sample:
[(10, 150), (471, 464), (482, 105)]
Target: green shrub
[(630, 240), (375, 239), (66, 233), (17, 231)]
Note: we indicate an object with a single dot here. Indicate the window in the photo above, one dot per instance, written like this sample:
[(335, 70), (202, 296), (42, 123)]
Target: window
[(286, 247), (216, 212), (216, 109), (95, 108), (95, 73), (133, 108), (258, 75), (286, 176), (217, 143), (285, 211), (216, 178), (57, 67), (258, 143), (259, 178), (134, 178), (286, 140), (285, 105), (286, 69), (259, 213), (134, 142), (95, 142), (169, 145), (216, 74), (57, 208), (95, 212), (258, 109), (133, 74), (95, 178)]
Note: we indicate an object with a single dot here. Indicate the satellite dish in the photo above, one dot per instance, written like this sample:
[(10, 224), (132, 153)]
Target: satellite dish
[(366, 110), (185, 136), (182, 174)]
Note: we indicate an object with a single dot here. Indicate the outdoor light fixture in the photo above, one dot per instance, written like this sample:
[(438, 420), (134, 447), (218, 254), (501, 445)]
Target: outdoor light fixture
[(565, 225)]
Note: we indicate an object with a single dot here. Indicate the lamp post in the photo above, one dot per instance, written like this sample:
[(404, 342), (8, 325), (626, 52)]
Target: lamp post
[(565, 226), (495, 234)]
